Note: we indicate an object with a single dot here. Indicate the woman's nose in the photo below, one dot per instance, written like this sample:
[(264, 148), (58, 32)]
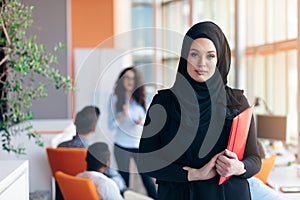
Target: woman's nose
[(201, 62)]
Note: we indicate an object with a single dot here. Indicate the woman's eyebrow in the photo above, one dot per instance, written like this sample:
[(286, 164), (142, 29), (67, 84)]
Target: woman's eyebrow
[(210, 51), (192, 49)]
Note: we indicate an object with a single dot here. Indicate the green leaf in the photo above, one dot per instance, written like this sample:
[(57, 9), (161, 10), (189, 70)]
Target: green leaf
[(27, 60)]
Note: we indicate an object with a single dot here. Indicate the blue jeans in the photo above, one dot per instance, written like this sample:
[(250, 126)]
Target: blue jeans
[(259, 190)]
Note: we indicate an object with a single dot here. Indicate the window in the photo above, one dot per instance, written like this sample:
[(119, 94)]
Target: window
[(175, 22), (143, 39), (271, 58), (221, 12)]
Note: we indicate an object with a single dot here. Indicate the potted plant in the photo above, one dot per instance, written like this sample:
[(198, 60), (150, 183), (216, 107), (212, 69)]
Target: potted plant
[(22, 60)]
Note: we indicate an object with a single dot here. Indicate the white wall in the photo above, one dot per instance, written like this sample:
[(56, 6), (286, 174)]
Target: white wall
[(96, 73)]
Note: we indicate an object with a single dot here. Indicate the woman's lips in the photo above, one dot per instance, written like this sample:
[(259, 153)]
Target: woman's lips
[(200, 72)]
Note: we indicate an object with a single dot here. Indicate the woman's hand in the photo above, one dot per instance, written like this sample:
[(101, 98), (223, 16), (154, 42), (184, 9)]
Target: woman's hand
[(125, 109), (124, 113), (140, 121), (228, 164), (206, 172)]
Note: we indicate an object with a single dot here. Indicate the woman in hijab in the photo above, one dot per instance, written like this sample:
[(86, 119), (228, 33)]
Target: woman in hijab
[(187, 126)]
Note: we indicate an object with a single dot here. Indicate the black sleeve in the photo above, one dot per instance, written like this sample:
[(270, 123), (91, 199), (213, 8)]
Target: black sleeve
[(251, 160), (152, 159)]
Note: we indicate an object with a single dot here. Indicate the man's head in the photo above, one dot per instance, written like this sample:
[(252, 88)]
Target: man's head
[(86, 120), (98, 157)]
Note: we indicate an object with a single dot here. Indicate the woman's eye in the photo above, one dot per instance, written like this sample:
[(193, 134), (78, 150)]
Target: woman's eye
[(194, 54), (211, 56)]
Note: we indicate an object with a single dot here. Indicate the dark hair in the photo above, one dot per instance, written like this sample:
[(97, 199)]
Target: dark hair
[(97, 156), (138, 93), (86, 119)]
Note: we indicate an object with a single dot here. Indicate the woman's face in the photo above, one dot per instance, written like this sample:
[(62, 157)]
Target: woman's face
[(202, 60), (128, 81)]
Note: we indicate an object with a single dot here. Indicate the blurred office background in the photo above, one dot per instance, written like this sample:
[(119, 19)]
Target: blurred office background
[(103, 36)]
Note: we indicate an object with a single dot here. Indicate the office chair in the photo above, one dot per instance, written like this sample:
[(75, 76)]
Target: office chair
[(73, 187), (68, 160), (266, 168)]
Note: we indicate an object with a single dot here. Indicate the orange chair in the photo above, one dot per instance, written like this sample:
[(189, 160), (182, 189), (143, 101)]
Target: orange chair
[(266, 168), (68, 160), (73, 187)]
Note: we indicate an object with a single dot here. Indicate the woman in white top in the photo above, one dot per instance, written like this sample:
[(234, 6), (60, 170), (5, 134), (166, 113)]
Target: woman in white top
[(127, 113)]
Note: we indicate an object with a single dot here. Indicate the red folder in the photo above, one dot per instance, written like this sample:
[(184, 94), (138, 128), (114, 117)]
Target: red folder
[(238, 135)]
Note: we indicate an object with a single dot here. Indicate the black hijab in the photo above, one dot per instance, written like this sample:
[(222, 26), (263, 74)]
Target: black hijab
[(212, 32), (201, 107)]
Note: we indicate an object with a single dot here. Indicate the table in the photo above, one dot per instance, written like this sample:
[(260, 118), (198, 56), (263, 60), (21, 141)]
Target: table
[(54, 131), (285, 176), (14, 182)]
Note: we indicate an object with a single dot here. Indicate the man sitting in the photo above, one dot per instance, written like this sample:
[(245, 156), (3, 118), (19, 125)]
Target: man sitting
[(98, 160), (85, 123)]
